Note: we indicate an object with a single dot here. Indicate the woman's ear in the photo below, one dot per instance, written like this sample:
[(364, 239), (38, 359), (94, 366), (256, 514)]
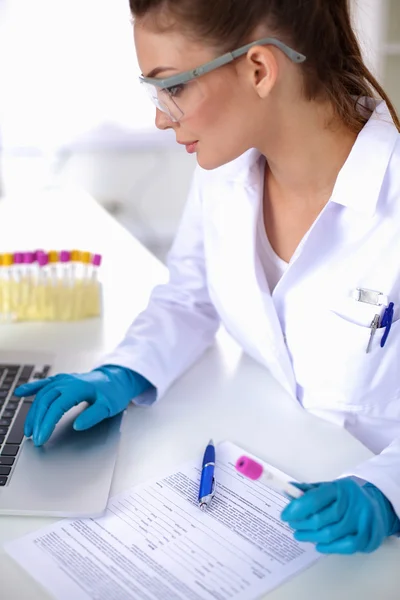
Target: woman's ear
[(262, 68)]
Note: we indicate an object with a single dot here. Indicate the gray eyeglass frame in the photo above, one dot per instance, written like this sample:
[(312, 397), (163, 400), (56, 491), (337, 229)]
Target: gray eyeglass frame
[(207, 67)]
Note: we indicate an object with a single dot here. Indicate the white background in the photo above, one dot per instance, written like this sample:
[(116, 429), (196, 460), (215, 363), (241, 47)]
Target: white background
[(72, 111)]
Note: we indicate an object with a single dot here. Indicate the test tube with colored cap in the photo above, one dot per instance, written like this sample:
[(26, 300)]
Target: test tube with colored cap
[(42, 295), (86, 261), (8, 261), (75, 260), (17, 282), (25, 286), (65, 288), (53, 276), (257, 472), (6, 283), (28, 286), (65, 257), (95, 304), (76, 276), (86, 296), (53, 266)]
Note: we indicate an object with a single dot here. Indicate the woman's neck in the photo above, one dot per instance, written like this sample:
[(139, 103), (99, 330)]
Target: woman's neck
[(305, 153)]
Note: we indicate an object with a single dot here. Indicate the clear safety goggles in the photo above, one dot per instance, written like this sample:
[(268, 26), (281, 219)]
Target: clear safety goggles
[(177, 101), (179, 95)]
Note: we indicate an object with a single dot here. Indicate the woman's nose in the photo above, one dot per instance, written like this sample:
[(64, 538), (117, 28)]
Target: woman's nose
[(162, 120)]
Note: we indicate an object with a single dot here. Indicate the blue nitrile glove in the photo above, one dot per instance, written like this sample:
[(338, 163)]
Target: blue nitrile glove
[(108, 390), (341, 517)]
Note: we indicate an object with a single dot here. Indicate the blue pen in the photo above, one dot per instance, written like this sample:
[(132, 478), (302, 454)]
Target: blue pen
[(207, 480), (387, 322)]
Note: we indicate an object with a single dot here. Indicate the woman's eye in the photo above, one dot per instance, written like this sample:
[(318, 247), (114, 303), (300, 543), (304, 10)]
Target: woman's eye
[(174, 90)]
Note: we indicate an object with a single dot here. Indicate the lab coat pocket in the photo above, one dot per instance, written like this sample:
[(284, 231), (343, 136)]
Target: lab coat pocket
[(344, 374)]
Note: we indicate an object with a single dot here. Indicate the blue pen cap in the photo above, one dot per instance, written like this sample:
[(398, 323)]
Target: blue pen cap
[(209, 454)]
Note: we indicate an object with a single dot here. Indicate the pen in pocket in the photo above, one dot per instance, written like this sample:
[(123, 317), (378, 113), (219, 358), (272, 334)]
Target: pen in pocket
[(387, 320), (374, 326)]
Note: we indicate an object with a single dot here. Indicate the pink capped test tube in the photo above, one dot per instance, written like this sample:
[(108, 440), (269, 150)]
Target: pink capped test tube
[(28, 285), (65, 293)]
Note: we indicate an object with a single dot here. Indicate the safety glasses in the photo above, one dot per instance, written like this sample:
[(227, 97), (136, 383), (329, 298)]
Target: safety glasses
[(179, 95)]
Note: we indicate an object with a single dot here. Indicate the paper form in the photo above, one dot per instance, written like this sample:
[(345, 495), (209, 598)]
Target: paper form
[(154, 543)]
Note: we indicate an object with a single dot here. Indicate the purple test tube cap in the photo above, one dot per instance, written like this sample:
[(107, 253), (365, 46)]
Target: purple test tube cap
[(97, 260), (28, 258), (65, 256), (36, 254), (18, 258), (42, 259)]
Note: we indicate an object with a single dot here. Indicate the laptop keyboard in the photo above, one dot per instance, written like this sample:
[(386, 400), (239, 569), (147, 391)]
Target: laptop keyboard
[(13, 412)]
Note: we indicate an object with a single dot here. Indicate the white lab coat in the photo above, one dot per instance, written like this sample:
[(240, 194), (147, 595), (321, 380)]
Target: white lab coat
[(310, 332)]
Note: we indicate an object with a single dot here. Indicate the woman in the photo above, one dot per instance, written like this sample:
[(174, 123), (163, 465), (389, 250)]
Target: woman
[(290, 237)]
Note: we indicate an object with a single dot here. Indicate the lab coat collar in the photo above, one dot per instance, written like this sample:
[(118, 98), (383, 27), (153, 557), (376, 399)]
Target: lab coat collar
[(360, 180), (245, 169)]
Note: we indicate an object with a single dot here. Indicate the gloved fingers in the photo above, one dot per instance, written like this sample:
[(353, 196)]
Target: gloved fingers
[(42, 400), (31, 416), (348, 525), (370, 534), (30, 389), (28, 425), (66, 399), (41, 410), (324, 518), (361, 541), (91, 416), (359, 531), (346, 545), (310, 503)]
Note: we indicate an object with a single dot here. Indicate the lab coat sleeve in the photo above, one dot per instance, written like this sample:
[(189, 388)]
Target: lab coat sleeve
[(383, 470), (180, 321)]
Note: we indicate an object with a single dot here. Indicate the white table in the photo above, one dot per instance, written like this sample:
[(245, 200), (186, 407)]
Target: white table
[(224, 396)]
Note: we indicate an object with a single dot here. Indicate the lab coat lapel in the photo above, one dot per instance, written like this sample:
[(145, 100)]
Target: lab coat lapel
[(276, 354), (251, 316)]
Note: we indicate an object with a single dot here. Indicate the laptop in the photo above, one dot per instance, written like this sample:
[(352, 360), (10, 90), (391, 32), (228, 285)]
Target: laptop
[(71, 475)]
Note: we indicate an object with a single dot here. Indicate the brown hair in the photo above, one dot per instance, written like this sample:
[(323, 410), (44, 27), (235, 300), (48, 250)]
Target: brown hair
[(320, 29)]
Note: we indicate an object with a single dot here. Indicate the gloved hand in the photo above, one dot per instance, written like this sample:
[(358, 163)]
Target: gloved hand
[(341, 517), (108, 389)]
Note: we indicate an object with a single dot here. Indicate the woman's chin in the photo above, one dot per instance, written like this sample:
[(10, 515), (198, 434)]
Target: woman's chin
[(208, 163), (213, 160)]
